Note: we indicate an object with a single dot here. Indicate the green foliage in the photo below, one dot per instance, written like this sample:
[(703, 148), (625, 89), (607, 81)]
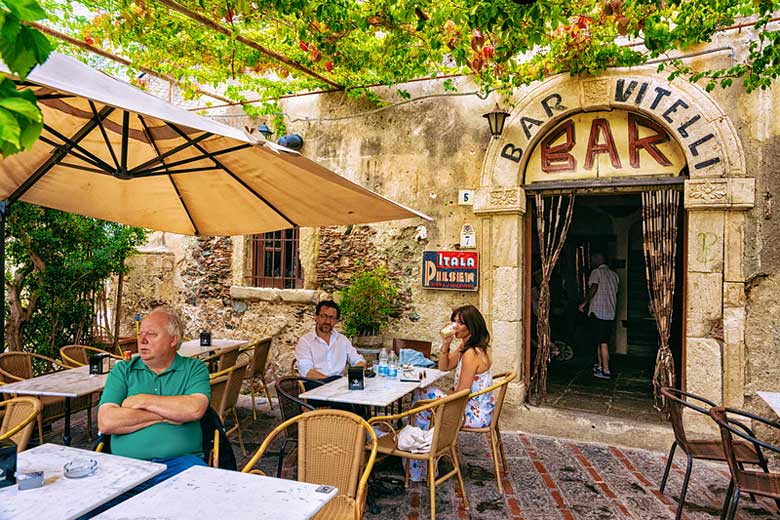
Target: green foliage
[(21, 48), (502, 43), (367, 302), (58, 262)]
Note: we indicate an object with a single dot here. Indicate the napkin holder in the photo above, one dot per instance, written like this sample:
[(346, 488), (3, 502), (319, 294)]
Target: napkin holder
[(355, 378), (7, 463)]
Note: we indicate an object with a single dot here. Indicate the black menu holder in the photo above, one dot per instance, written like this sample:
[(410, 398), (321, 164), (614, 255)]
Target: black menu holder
[(355, 378), (7, 464), (97, 363)]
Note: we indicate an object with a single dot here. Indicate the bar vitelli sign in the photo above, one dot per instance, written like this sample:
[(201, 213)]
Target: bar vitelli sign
[(604, 144)]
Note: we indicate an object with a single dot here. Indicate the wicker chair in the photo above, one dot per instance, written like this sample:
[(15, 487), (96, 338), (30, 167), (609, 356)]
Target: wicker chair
[(702, 449), (222, 359), (446, 421), (331, 451), (492, 430), (18, 366), (743, 481), (75, 356), (414, 344), (225, 388), (17, 424), (256, 369), (287, 390)]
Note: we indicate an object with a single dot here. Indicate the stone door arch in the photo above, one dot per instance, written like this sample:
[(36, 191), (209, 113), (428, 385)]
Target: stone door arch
[(717, 192)]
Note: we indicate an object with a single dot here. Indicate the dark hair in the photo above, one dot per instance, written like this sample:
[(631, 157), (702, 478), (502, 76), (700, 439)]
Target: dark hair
[(473, 320), (328, 303)]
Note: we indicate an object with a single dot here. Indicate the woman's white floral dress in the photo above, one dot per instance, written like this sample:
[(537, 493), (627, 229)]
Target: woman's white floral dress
[(479, 410)]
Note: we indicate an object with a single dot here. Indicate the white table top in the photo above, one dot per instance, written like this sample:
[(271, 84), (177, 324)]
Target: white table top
[(201, 492), (378, 391), (63, 498), (72, 382), (192, 347), (772, 399), (76, 382)]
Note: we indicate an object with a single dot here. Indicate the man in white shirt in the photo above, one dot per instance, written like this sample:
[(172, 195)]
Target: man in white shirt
[(324, 353), (600, 301)]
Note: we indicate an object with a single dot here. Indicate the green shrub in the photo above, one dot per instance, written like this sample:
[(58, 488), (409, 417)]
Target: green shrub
[(367, 303)]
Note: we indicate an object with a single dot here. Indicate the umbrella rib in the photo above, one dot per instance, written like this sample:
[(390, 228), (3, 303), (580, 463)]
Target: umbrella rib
[(195, 159), (170, 177), (87, 160), (82, 168), (105, 135), (59, 154), (125, 139), (233, 175), (169, 153), (88, 156), (158, 173)]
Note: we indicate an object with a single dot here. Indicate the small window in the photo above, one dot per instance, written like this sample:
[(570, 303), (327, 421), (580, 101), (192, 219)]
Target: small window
[(275, 260)]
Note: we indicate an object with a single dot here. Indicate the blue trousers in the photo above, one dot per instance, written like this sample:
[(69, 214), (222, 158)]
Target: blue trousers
[(174, 465)]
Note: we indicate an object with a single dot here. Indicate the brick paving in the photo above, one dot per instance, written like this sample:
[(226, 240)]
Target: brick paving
[(549, 479)]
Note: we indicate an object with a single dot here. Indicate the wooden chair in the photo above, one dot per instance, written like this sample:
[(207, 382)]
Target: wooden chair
[(446, 420), (743, 481), (287, 390), (225, 389), (414, 344), (17, 424), (18, 366), (499, 386), (256, 369), (75, 356), (331, 451), (702, 449)]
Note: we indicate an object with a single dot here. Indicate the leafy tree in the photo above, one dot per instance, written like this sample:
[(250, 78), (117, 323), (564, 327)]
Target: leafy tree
[(502, 43), (60, 260), (21, 48)]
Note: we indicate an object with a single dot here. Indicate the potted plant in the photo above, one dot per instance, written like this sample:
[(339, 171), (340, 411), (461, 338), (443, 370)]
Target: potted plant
[(367, 305)]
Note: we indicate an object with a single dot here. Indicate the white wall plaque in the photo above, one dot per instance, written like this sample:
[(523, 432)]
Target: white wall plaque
[(466, 197)]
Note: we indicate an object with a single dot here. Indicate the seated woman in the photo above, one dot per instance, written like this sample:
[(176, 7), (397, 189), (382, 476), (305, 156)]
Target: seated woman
[(472, 363)]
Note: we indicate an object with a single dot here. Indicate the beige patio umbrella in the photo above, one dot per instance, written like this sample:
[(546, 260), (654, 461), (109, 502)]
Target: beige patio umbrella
[(111, 151)]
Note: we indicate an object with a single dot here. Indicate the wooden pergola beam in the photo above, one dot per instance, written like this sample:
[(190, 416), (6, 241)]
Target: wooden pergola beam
[(246, 41)]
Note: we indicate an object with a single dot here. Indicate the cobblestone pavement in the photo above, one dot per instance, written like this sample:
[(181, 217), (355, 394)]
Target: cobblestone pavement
[(548, 478)]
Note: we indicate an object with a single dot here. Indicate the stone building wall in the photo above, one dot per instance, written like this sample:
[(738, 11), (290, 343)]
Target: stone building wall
[(421, 153)]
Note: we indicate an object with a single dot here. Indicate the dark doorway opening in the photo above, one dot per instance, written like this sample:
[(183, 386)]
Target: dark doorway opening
[(611, 224)]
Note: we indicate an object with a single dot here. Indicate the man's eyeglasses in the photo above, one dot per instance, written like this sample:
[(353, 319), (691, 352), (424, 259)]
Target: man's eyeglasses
[(327, 317)]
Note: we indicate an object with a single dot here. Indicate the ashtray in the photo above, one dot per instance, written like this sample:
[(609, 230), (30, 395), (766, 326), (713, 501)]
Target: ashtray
[(407, 367), (80, 468)]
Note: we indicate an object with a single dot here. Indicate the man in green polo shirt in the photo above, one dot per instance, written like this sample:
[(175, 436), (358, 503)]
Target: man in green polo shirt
[(152, 404)]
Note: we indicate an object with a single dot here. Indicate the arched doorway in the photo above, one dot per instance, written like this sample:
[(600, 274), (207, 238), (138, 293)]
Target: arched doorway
[(716, 191)]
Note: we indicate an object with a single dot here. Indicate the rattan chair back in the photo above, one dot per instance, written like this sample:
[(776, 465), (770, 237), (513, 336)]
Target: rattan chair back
[(447, 419), (414, 344), (331, 451), (259, 359), (225, 388), (78, 355), (499, 388), (678, 401), (19, 420), (18, 366)]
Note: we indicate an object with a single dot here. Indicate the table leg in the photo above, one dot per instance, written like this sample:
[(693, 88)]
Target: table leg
[(66, 432)]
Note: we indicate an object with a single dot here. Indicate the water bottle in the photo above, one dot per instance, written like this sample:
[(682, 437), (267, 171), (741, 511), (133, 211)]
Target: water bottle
[(392, 365), (382, 363)]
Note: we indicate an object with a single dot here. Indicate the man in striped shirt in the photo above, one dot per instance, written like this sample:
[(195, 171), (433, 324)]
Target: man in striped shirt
[(600, 302)]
